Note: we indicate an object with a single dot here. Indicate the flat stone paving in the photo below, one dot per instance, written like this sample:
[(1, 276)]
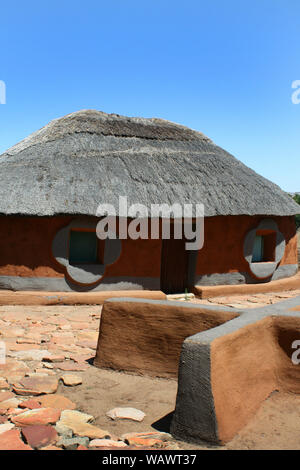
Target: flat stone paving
[(46, 348), (249, 301)]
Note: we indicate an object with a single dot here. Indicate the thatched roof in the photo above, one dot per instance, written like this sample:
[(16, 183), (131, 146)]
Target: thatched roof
[(86, 158)]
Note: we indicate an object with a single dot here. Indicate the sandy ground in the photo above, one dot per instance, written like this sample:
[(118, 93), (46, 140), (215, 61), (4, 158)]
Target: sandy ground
[(103, 390), (275, 425)]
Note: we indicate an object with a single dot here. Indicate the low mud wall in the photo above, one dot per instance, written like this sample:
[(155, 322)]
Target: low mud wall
[(225, 374), (72, 298), (248, 365), (281, 285), (243, 375), (145, 337), (229, 360), (286, 330)]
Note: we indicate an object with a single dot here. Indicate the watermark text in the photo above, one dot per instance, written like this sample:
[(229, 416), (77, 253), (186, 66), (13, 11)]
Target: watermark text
[(296, 354), (160, 221), (2, 353), (2, 92), (296, 93)]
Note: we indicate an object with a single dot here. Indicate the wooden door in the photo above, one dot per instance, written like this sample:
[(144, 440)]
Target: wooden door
[(174, 266)]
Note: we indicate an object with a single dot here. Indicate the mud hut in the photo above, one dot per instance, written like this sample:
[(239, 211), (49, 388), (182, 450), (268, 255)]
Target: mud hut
[(52, 183)]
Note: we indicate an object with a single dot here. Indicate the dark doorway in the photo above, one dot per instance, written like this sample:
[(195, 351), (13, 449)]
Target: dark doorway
[(174, 266)]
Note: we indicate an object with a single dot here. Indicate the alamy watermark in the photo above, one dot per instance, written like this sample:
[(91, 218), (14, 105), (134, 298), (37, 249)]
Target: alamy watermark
[(2, 92), (2, 353), (296, 93), (159, 221), (296, 354)]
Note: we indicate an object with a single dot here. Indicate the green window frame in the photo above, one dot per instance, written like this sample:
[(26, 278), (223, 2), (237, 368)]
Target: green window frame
[(83, 247), (258, 249)]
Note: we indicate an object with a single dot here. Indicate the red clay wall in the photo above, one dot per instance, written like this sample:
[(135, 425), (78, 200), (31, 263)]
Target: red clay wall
[(224, 241), (26, 250), (248, 365), (243, 375), (26, 247)]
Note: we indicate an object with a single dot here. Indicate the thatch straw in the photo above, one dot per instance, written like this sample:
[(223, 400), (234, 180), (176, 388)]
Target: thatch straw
[(89, 157)]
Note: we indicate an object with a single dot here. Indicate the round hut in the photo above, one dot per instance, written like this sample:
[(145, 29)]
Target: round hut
[(52, 183)]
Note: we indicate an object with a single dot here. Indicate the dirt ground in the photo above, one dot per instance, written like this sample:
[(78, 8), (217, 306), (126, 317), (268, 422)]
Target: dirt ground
[(275, 425)]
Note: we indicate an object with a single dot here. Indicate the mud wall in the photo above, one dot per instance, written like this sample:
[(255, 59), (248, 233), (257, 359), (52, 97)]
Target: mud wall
[(243, 375), (26, 250), (248, 365), (224, 241), (226, 373), (146, 337)]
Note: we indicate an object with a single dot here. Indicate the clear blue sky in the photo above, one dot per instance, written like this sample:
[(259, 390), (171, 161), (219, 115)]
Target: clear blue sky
[(222, 67)]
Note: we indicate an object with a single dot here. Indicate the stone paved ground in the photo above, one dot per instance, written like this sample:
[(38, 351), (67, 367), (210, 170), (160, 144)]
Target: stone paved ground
[(51, 346), (249, 301)]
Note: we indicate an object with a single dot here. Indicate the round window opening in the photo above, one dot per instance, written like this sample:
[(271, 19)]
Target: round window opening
[(264, 248), (84, 255)]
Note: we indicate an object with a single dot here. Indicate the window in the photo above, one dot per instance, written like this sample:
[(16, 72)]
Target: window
[(264, 247), (258, 249), (83, 247)]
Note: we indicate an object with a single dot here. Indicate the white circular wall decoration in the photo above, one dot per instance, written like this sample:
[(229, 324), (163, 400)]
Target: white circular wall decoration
[(84, 273), (264, 269)]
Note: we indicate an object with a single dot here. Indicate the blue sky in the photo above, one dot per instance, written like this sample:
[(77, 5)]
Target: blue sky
[(222, 67)]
